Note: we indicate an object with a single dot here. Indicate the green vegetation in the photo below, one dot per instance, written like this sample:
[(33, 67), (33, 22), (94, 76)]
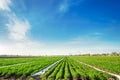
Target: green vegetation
[(71, 69), (12, 61), (28, 69), (108, 63)]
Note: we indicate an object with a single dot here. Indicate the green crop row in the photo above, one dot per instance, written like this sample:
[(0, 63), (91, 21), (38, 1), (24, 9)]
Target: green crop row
[(48, 73), (84, 71), (12, 61), (27, 69), (60, 73), (69, 69), (108, 63)]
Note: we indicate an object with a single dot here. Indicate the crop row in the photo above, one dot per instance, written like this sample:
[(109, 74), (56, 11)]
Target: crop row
[(25, 70), (12, 61), (108, 63), (69, 69)]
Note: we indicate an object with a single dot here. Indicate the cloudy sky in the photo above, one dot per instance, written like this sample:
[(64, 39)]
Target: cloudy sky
[(57, 27)]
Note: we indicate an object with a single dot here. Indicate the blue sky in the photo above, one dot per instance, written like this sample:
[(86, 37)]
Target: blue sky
[(87, 26)]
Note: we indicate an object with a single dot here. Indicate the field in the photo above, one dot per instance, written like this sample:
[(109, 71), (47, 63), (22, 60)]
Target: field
[(109, 63), (25, 66), (69, 68)]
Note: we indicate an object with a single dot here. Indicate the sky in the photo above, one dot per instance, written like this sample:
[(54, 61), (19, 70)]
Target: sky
[(59, 27)]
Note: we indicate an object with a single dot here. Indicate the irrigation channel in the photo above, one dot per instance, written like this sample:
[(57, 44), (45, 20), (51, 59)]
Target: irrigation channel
[(46, 69), (36, 75)]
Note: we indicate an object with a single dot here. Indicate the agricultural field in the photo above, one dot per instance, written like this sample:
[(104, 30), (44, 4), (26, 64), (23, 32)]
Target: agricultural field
[(68, 68), (108, 63), (10, 61), (22, 71)]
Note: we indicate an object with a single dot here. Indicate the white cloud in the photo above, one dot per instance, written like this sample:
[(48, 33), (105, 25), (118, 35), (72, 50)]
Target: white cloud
[(64, 6), (20, 43), (17, 28), (17, 41), (4, 5)]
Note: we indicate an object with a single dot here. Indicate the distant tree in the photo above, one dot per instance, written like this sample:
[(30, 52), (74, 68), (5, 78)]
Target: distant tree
[(115, 54), (88, 54)]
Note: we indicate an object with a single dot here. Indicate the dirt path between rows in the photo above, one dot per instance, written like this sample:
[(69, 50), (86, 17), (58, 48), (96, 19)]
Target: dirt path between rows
[(116, 75)]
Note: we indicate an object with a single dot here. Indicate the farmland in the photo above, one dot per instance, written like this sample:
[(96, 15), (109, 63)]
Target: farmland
[(108, 63), (10, 61), (69, 68), (21, 71)]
